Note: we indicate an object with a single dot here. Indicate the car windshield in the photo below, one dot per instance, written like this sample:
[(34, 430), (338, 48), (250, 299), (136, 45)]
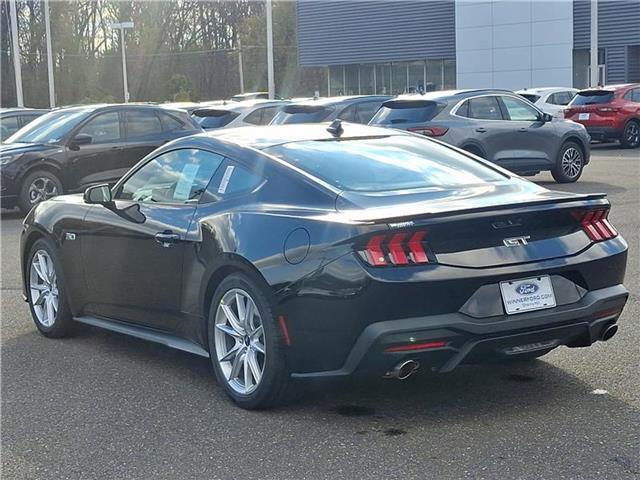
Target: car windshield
[(377, 164), (531, 97), (592, 97), (394, 112), (49, 128)]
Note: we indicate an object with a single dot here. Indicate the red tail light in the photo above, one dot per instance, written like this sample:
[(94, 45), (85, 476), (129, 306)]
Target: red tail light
[(429, 131), (409, 347), (608, 109), (395, 249), (595, 224)]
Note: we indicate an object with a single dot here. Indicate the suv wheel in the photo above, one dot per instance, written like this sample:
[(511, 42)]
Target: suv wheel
[(246, 345), (570, 163), (631, 135), (37, 187)]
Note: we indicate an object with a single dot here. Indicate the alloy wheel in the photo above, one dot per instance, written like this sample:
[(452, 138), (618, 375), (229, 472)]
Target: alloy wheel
[(42, 188), (571, 162), (239, 340), (43, 286), (632, 134)]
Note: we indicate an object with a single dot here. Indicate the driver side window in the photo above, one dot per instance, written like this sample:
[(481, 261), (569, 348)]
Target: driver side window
[(103, 128), (179, 176), (519, 111)]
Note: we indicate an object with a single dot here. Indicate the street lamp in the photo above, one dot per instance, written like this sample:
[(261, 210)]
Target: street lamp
[(121, 26)]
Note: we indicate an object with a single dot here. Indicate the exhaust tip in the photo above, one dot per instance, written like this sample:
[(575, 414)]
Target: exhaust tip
[(609, 332), (403, 370)]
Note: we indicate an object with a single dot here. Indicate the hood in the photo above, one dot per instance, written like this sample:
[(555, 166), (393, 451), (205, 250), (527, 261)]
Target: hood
[(18, 148)]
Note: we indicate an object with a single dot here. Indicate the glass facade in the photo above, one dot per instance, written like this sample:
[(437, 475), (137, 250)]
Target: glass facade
[(392, 78)]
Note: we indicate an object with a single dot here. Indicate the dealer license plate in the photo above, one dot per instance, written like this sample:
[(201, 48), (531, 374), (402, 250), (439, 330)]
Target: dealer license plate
[(583, 116), (528, 294)]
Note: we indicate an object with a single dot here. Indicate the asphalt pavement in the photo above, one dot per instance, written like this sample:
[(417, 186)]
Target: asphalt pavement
[(100, 405)]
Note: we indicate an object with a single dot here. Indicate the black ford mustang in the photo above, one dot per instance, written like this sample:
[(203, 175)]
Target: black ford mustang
[(291, 252)]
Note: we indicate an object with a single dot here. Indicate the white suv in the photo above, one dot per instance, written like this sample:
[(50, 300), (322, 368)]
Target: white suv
[(551, 100)]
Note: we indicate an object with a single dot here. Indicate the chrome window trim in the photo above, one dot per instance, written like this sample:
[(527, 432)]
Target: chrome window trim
[(454, 110)]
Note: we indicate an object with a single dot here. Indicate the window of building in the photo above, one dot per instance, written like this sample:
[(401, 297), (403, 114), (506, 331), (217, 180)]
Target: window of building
[(581, 71), (415, 74), (336, 80), (435, 73), (398, 78), (367, 84), (383, 79), (351, 80), (449, 75)]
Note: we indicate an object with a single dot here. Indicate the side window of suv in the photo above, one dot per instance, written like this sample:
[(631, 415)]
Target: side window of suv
[(633, 95), (518, 111), (103, 128), (560, 98), (484, 108), (142, 123)]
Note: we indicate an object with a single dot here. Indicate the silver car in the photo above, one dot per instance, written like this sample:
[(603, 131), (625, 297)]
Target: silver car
[(497, 125)]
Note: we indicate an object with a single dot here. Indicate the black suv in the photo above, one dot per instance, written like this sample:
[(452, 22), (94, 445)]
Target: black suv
[(66, 150)]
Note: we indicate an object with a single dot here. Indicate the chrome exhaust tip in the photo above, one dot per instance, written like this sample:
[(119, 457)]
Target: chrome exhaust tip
[(609, 332), (403, 370)]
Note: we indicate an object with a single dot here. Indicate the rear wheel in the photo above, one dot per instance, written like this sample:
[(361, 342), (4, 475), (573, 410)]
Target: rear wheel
[(631, 135), (246, 346), (570, 163), (46, 291), (37, 187)]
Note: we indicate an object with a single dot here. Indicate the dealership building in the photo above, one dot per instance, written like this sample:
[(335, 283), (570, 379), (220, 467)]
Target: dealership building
[(401, 46)]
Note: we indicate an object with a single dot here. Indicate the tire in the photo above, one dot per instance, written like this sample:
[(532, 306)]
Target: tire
[(37, 187), (570, 163), (273, 387), (46, 293), (631, 135)]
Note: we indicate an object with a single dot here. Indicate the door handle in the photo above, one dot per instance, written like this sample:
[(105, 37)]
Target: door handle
[(523, 129), (481, 130), (166, 239)]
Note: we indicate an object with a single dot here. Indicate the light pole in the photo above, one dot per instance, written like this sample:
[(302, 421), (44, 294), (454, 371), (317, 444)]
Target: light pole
[(47, 27), (594, 70), (15, 46), (270, 79), (121, 26)]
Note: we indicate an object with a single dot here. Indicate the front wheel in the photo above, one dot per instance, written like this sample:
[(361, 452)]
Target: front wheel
[(631, 135), (46, 291), (569, 165), (246, 345)]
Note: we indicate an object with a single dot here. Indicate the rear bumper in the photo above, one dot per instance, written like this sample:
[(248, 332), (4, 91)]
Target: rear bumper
[(603, 133), (471, 339)]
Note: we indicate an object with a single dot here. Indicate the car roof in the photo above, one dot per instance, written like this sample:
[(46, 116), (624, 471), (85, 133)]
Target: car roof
[(108, 106), (342, 99), (613, 88), (451, 94), (244, 105), (543, 90), (260, 137)]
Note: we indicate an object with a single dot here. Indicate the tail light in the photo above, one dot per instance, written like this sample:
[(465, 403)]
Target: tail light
[(595, 224), (395, 249), (608, 109), (429, 131)]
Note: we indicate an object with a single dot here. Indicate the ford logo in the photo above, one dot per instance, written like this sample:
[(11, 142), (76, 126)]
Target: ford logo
[(527, 288)]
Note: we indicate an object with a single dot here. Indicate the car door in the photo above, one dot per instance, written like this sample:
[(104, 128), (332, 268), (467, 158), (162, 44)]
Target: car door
[(528, 143), (133, 250), (144, 133), (486, 126), (98, 160)]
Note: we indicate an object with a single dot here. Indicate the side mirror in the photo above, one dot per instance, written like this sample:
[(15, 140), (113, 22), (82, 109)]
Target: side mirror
[(81, 139), (546, 117), (100, 194)]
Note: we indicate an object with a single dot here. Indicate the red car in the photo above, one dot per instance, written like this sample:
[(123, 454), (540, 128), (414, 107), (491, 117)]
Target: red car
[(609, 113)]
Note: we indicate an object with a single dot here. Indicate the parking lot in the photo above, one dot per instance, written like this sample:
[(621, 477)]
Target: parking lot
[(101, 405)]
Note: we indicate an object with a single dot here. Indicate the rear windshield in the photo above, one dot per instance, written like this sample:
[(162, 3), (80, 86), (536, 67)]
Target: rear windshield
[(213, 118), (531, 97), (592, 97), (385, 163), (302, 114), (405, 112)]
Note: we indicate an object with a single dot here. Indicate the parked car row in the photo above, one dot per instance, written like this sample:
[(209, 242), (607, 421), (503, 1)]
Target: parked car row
[(70, 148)]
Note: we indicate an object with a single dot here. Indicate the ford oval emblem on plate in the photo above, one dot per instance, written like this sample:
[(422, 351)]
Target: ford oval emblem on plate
[(527, 288)]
